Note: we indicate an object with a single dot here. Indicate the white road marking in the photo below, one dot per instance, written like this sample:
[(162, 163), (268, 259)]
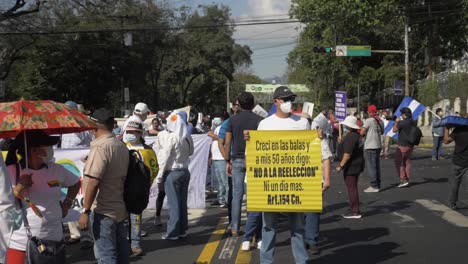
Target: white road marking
[(447, 214), (406, 220), (228, 248)]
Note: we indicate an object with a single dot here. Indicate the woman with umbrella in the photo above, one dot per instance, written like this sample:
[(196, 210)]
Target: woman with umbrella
[(39, 186)]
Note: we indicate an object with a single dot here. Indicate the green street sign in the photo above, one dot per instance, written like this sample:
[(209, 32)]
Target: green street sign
[(353, 51)]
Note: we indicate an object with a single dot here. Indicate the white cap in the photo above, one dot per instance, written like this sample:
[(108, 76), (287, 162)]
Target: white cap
[(351, 121), (141, 108)]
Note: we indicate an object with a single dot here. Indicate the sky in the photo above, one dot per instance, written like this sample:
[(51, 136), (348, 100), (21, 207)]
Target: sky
[(266, 62)]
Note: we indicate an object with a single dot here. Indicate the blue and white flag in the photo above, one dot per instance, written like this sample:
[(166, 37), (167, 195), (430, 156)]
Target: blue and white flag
[(416, 109)]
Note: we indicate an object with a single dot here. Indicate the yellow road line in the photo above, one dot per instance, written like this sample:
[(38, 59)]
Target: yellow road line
[(210, 248), (243, 257)]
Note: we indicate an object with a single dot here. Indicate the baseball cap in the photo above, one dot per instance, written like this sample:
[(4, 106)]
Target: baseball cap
[(283, 92), (372, 109), (72, 104), (134, 126), (102, 116), (141, 108)]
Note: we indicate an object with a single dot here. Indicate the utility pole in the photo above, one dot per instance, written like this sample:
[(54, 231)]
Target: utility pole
[(227, 96), (358, 96), (406, 59)]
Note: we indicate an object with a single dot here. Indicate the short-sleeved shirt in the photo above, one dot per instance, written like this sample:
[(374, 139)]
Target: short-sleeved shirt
[(404, 129), (215, 152), (222, 130), (374, 131), (108, 162), (245, 120), (460, 153), (351, 145), (45, 193)]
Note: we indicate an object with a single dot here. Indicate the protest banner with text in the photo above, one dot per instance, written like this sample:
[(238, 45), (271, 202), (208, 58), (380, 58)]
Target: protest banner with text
[(284, 171)]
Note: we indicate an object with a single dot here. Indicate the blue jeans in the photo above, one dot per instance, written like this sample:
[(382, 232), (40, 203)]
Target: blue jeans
[(312, 228), (110, 240), (253, 227), (372, 159), (296, 227), (135, 226), (436, 144), (238, 177), (176, 187), (222, 179)]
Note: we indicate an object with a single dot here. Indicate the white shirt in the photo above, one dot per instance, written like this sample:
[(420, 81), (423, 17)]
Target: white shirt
[(293, 122), (215, 152), (45, 194), (172, 155), (7, 209)]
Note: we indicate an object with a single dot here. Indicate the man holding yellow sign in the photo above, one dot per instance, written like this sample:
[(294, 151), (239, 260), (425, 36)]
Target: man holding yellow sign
[(283, 174)]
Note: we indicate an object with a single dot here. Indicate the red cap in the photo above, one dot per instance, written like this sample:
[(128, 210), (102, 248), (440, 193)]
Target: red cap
[(372, 109)]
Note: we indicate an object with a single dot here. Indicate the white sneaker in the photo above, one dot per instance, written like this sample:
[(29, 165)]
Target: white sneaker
[(259, 244), (403, 184), (371, 190), (245, 246)]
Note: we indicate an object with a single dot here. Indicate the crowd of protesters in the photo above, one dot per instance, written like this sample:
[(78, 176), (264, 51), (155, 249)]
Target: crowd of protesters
[(355, 144)]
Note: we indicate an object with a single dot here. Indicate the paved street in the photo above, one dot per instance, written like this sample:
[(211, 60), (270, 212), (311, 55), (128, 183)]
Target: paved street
[(411, 225)]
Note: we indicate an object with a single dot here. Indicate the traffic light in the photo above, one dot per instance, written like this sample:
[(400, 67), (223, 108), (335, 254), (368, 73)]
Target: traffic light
[(322, 49)]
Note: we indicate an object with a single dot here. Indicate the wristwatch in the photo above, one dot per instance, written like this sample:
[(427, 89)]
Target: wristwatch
[(86, 211)]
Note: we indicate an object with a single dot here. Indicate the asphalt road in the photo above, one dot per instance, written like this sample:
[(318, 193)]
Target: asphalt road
[(409, 225)]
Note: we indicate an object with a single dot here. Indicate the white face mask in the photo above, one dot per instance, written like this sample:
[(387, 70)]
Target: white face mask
[(286, 107), (131, 138), (49, 154)]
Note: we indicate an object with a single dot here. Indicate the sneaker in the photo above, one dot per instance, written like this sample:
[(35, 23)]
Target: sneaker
[(184, 235), (433, 158), (234, 234), (143, 233), (403, 184), (371, 190), (215, 202), (224, 205), (453, 206), (157, 221), (259, 244), (245, 246), (352, 216), (166, 237), (313, 249), (137, 251)]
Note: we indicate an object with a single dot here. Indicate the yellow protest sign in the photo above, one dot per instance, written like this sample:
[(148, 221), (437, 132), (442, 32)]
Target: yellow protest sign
[(150, 160), (284, 171)]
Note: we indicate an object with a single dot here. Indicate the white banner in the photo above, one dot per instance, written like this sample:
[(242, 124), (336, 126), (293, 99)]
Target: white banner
[(72, 159)]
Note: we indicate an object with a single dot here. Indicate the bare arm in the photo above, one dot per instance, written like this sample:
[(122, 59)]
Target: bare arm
[(395, 126), (221, 148), (92, 188), (447, 138), (227, 144)]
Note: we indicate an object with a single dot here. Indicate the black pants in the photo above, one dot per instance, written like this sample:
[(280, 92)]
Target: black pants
[(229, 201)]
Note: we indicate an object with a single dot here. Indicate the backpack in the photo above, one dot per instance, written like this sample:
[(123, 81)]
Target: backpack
[(414, 135), (137, 184)]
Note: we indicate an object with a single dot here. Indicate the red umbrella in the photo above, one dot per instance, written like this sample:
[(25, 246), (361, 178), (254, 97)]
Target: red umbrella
[(49, 116)]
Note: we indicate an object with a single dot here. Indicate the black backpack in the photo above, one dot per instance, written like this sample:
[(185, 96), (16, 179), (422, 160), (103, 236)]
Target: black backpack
[(414, 135), (137, 184)]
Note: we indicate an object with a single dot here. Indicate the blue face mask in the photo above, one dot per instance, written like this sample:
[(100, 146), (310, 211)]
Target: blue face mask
[(132, 138)]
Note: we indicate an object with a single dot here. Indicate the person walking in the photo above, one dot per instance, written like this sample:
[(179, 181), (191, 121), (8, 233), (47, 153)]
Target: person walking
[(459, 160), (283, 120), (312, 220), (437, 134), (405, 147), (372, 130), (175, 148), (351, 163), (134, 140), (245, 119), (72, 141), (105, 172), (385, 139)]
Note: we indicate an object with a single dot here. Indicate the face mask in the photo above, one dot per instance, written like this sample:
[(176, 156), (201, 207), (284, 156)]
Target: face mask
[(130, 138), (49, 154), (345, 129), (286, 107)]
